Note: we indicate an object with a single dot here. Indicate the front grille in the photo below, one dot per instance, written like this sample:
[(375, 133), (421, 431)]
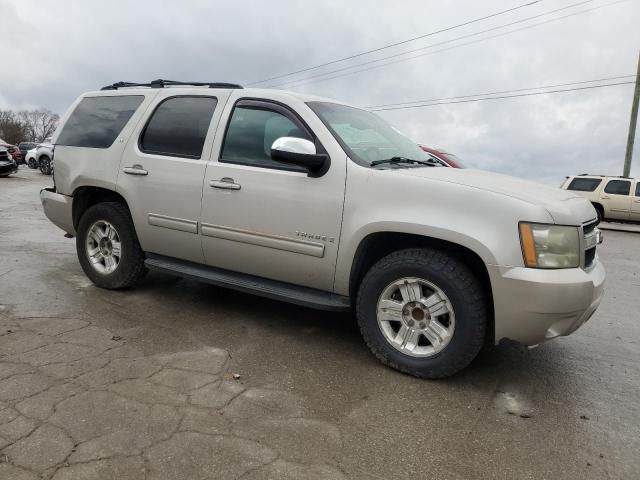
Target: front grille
[(590, 236), (589, 227), (589, 257)]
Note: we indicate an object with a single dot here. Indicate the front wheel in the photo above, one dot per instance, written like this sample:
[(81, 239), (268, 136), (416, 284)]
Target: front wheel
[(422, 312), (108, 248)]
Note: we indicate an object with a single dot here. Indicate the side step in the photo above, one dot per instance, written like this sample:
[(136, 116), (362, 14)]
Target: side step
[(307, 297)]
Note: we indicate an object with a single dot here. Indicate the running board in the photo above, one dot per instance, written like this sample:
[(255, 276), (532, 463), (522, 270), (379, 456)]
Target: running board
[(286, 292)]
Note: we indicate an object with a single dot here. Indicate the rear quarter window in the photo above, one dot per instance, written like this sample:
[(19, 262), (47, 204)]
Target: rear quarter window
[(584, 184), (97, 121)]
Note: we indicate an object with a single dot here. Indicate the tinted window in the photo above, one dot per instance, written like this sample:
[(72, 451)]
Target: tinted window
[(178, 127), (252, 131), (97, 121), (584, 184), (618, 187), (638, 189)]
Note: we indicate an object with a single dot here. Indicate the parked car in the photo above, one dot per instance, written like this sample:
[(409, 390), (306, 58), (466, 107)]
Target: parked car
[(44, 157), (614, 198), (14, 152), (7, 164), (444, 158), (314, 202), (30, 158), (24, 147)]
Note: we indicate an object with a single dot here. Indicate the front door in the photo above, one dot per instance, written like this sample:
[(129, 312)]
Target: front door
[(265, 217), (617, 199), (162, 170)]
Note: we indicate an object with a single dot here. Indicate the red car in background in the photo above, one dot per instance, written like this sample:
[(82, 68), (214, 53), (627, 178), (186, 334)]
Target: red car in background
[(447, 159), (15, 152)]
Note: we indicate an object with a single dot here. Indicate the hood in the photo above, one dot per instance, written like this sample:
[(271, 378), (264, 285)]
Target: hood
[(565, 207)]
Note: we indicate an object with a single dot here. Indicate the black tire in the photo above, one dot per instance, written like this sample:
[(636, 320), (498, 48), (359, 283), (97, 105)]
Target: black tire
[(45, 165), (464, 291), (32, 164), (131, 267)]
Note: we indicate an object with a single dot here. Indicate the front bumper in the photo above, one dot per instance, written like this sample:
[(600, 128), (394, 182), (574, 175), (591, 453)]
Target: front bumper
[(58, 208), (8, 168), (534, 305)]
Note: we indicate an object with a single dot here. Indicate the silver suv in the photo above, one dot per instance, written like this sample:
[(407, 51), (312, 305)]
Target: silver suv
[(318, 203)]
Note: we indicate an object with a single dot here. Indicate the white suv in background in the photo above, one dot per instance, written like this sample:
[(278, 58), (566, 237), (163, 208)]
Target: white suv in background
[(614, 198), (311, 201)]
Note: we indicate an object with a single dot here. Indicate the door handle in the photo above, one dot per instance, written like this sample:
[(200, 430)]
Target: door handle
[(225, 183), (605, 197), (135, 170)]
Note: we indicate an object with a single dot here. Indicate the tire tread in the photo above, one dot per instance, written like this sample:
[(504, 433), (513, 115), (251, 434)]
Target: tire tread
[(456, 272)]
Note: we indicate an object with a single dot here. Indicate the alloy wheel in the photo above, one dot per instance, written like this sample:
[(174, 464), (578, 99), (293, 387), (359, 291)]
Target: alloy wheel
[(416, 317), (103, 246)]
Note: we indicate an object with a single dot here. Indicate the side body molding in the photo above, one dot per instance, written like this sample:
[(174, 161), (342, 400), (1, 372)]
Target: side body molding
[(313, 249), (173, 223)]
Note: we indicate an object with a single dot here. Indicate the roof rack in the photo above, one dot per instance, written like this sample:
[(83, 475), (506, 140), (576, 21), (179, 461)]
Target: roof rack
[(170, 83)]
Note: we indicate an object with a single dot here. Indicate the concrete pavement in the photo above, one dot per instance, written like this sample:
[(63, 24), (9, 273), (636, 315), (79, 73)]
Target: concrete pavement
[(140, 384)]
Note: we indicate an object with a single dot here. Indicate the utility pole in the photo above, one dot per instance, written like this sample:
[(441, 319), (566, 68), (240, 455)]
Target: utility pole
[(632, 125)]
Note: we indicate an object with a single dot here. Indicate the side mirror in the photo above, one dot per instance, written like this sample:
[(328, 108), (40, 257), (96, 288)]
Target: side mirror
[(299, 151)]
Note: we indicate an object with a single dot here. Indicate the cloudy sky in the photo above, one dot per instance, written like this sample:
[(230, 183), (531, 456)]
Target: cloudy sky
[(54, 50)]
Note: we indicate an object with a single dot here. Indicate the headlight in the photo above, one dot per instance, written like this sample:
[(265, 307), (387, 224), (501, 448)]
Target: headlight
[(550, 246)]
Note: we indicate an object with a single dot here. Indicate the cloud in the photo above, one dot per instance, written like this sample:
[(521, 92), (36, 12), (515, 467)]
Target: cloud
[(60, 49)]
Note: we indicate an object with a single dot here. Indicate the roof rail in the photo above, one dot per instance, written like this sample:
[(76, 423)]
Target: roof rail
[(170, 83)]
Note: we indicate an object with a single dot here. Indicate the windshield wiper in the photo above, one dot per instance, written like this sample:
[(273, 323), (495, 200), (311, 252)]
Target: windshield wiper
[(396, 160)]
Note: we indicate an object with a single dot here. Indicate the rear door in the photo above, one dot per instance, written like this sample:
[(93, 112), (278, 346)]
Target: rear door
[(635, 203), (162, 169), (616, 198)]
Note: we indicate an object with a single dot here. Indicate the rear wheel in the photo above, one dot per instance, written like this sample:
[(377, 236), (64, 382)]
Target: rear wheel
[(45, 165), (422, 312), (108, 247)]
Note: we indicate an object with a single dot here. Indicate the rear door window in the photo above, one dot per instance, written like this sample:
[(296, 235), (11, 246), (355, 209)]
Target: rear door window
[(178, 127), (97, 121), (638, 189), (584, 184), (618, 187)]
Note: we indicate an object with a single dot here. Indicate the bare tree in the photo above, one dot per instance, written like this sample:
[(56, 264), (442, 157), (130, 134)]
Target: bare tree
[(12, 129), (39, 124)]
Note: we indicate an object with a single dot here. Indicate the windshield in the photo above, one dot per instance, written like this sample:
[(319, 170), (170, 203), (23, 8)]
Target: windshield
[(365, 136), (455, 159)]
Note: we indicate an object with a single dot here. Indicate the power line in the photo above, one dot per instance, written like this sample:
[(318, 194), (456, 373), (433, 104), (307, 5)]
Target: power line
[(502, 97), (500, 92), (398, 43), (315, 79), (430, 46)]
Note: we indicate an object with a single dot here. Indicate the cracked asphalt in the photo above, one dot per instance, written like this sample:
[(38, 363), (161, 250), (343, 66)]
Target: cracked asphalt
[(140, 384)]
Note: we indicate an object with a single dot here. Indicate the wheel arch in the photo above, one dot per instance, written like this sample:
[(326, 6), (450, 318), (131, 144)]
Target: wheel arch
[(87, 196), (377, 245), (600, 208)]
